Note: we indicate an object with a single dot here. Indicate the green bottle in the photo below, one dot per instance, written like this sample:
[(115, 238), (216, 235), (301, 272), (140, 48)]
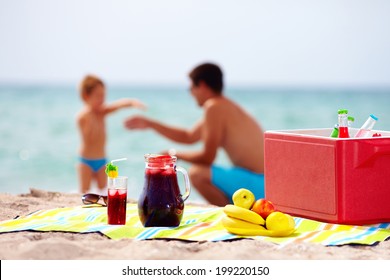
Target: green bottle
[(335, 131)]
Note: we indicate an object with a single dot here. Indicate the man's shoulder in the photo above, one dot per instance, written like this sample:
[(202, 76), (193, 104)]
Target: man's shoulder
[(218, 109), (214, 103), (219, 104)]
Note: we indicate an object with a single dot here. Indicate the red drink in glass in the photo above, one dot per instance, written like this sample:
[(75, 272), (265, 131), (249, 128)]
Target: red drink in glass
[(117, 200), (116, 206)]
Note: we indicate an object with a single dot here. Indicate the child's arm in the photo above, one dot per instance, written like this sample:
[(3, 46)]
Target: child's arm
[(123, 103)]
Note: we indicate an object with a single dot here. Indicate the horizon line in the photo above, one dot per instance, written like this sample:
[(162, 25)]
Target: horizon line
[(228, 86)]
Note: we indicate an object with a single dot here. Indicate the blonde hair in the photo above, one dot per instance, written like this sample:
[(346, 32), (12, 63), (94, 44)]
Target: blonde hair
[(88, 84)]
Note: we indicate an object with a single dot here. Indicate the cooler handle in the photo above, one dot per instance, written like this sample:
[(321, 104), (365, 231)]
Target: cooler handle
[(369, 152)]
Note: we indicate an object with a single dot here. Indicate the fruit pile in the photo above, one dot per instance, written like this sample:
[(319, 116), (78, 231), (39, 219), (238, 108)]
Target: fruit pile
[(255, 217)]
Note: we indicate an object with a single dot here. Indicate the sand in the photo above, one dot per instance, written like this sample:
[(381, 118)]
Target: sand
[(94, 246)]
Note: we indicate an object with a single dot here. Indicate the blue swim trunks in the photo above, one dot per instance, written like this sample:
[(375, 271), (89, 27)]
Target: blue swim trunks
[(230, 179), (94, 164)]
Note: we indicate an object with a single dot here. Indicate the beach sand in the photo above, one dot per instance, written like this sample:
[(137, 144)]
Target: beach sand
[(94, 246)]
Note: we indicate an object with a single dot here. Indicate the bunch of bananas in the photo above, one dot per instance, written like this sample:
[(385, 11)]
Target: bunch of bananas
[(243, 221)]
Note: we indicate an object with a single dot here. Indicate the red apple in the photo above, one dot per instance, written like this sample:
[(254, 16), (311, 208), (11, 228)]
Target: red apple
[(263, 207)]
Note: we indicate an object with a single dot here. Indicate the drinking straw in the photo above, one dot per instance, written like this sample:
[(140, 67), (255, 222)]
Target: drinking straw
[(172, 152), (119, 159)]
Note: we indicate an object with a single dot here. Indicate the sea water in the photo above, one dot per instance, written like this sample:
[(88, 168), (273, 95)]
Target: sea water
[(39, 138)]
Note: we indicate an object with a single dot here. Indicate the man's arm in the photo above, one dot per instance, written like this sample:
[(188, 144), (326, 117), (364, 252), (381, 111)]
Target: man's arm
[(173, 133), (212, 136)]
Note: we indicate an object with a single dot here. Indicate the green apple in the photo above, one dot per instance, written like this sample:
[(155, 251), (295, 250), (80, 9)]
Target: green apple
[(243, 198)]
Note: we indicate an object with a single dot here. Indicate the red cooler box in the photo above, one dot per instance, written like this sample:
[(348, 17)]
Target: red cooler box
[(346, 181)]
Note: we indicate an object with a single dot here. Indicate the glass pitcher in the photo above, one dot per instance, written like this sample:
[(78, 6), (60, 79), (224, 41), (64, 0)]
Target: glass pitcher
[(161, 203)]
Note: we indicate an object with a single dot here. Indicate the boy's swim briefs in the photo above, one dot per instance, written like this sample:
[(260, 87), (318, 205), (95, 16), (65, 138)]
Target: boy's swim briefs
[(94, 164)]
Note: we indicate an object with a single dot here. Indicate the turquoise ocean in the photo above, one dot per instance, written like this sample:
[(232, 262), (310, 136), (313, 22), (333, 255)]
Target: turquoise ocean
[(39, 138)]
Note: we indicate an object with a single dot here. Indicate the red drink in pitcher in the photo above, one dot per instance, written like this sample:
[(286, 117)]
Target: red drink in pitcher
[(161, 203)]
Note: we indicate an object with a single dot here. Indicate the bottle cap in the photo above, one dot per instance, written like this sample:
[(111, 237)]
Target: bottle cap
[(351, 119), (374, 117), (343, 111)]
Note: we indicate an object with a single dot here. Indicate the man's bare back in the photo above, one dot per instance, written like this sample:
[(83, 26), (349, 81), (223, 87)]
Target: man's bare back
[(242, 137)]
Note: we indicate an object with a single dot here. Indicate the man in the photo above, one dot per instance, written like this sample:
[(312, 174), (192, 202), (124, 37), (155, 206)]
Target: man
[(224, 125)]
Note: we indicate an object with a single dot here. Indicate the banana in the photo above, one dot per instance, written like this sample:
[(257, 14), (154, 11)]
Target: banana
[(240, 227), (243, 214)]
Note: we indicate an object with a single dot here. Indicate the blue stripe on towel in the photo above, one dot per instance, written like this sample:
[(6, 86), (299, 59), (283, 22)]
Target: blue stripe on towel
[(341, 241), (149, 233)]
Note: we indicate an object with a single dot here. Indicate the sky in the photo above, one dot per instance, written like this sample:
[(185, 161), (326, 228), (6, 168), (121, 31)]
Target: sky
[(256, 42)]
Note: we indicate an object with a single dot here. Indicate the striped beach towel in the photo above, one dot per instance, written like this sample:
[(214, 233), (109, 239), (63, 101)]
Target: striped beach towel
[(198, 224)]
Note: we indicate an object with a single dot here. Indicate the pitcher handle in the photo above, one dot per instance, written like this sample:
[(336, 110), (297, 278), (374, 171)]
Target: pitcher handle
[(186, 180)]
